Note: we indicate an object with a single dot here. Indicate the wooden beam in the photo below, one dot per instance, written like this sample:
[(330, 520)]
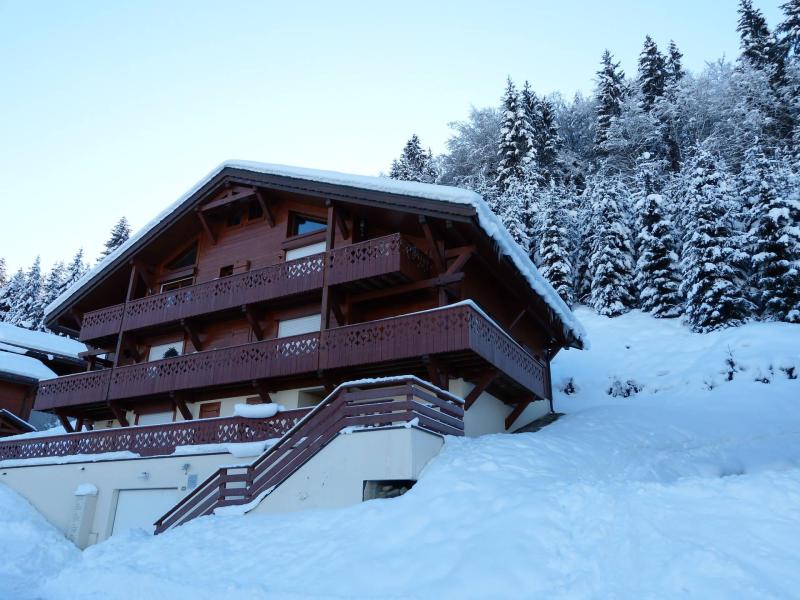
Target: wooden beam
[(342, 224), (516, 319), (439, 281), (262, 390), (514, 414), (480, 386), (79, 424), (65, 422), (193, 334), (228, 199), (143, 271), (252, 320), (180, 404), (438, 259), (330, 238), (206, 227), (119, 414), (461, 260), (265, 208), (436, 372)]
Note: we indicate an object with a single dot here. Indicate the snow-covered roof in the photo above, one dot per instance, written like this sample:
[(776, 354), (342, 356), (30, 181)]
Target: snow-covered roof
[(18, 339), (487, 220), (22, 423), (24, 366)]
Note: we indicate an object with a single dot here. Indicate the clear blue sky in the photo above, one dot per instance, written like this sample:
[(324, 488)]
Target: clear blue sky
[(116, 108)]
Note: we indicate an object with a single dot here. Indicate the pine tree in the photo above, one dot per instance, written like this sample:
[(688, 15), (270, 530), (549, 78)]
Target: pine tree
[(789, 28), (414, 164), (755, 37), (516, 145), (673, 65), (548, 141), (119, 235), (27, 309), (712, 263), (3, 272), (9, 294), (608, 96), (611, 255), (774, 235), (657, 278), (518, 208), (652, 74), (73, 271), (51, 288), (555, 248)]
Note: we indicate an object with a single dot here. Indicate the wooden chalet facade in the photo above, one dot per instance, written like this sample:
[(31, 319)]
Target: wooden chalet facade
[(260, 282)]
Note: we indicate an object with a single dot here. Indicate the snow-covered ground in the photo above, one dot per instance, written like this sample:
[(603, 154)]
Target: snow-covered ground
[(689, 487)]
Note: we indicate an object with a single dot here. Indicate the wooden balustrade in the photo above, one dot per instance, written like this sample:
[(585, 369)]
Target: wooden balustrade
[(456, 329), (247, 362), (388, 255), (391, 254), (154, 440), (379, 405), (102, 323)]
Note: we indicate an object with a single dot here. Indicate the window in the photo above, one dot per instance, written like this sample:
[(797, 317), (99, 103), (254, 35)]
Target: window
[(226, 271), (209, 410), (156, 418), (234, 217), (183, 260), (254, 211), (176, 284), (302, 225), (169, 350), (299, 325), (386, 488), (295, 253)]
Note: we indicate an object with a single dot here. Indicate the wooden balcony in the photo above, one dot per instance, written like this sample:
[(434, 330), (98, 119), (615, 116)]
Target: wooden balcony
[(382, 261), (460, 336), (154, 440)]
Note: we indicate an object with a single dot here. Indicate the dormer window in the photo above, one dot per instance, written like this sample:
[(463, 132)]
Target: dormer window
[(302, 225), (184, 260)]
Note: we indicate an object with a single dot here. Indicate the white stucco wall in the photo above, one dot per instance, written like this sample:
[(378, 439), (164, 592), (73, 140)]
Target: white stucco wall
[(488, 414)]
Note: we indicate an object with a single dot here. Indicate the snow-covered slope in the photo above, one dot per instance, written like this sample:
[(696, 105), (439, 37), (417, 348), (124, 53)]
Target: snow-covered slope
[(690, 488), (30, 547)]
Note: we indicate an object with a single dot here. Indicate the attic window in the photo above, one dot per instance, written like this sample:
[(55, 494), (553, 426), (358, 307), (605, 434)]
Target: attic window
[(254, 211), (234, 218), (302, 225), (183, 260)]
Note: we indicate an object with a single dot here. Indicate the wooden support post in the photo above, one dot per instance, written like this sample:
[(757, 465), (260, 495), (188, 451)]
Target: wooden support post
[(193, 334), (326, 291), (438, 258), (462, 257), (265, 208), (336, 308), (262, 390), (517, 411), (206, 226), (342, 224), (79, 424), (65, 422), (119, 414), (480, 386), (180, 404), (252, 320), (144, 272)]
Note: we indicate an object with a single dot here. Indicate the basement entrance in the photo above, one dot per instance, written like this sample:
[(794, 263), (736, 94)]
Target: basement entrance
[(139, 509)]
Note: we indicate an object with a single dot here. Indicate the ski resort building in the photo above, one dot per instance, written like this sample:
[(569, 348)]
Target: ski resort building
[(326, 330)]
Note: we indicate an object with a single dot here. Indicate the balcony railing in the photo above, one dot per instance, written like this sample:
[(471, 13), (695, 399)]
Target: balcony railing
[(455, 330), (154, 440), (390, 255)]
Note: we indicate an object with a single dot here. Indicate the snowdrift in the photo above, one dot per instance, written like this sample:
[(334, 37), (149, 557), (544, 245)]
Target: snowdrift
[(674, 472)]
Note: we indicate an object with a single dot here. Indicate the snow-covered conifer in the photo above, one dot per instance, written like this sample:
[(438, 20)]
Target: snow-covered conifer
[(119, 235), (27, 309), (789, 28), (652, 73), (516, 144), (611, 256), (712, 262), (414, 164), (555, 246), (74, 270), (755, 39), (608, 95), (773, 195), (51, 288), (673, 65)]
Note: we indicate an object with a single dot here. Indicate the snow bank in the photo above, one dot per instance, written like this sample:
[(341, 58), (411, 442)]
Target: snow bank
[(257, 411), (487, 220), (683, 489), (30, 547), (39, 340)]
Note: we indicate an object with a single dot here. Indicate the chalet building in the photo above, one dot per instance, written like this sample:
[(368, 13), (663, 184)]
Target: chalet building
[(277, 303), (26, 357)]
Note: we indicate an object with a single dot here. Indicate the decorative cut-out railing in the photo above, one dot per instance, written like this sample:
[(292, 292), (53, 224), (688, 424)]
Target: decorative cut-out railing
[(154, 440), (390, 254), (404, 401), (450, 331), (102, 323)]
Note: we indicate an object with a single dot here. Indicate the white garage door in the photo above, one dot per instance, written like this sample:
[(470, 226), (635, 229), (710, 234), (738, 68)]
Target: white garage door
[(140, 508)]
